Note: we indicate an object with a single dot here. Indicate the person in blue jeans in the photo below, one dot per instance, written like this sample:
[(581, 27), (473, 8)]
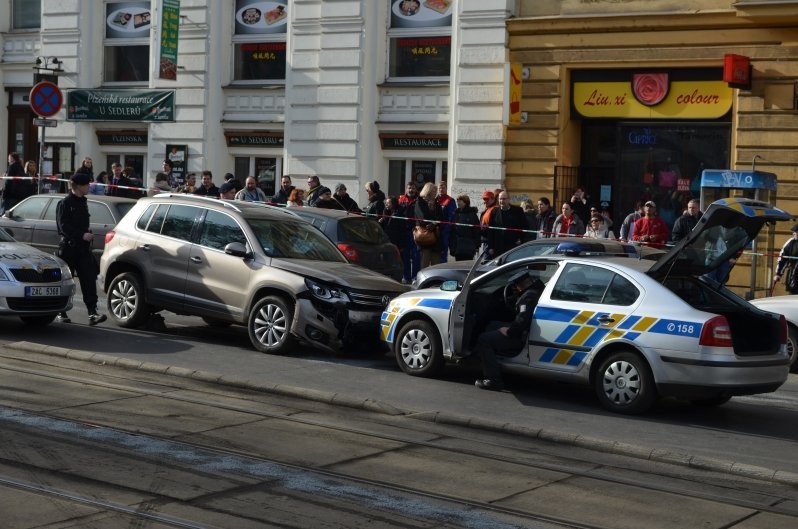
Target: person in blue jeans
[(411, 255)]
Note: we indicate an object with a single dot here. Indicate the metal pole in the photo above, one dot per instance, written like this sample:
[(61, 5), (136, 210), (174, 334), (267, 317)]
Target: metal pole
[(41, 157)]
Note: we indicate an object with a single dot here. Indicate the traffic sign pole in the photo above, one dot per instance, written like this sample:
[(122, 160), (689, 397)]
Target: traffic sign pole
[(46, 100)]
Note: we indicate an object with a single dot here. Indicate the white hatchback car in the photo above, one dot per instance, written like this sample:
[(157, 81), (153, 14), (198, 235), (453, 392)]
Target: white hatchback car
[(787, 306), (635, 330), (34, 285)]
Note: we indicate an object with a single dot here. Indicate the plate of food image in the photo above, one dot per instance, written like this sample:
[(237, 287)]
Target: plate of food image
[(262, 17), (421, 13), (129, 20)]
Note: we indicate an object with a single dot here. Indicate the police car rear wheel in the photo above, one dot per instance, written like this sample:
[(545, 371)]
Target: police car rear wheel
[(624, 383), (418, 349)]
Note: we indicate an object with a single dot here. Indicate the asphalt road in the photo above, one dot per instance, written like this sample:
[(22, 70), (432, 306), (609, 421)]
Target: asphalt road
[(757, 430)]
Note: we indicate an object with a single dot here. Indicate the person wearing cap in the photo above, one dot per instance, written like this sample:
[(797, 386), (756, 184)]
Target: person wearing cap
[(650, 228), (73, 223), (227, 191), (376, 204), (508, 338), (252, 193), (324, 199), (343, 200), (788, 262), (230, 177)]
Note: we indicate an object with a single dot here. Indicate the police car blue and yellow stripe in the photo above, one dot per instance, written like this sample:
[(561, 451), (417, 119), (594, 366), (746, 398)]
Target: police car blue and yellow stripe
[(392, 313), (583, 330)]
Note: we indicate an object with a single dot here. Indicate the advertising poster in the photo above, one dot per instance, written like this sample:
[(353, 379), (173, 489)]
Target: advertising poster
[(127, 20), (170, 30), (121, 105), (421, 13), (178, 156), (261, 18)]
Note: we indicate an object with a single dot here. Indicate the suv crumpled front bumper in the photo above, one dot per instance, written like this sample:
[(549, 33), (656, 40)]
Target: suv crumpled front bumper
[(335, 325)]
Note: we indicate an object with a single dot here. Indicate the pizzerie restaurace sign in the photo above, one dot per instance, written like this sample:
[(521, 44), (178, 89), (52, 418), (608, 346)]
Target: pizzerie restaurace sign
[(653, 100), (121, 105)]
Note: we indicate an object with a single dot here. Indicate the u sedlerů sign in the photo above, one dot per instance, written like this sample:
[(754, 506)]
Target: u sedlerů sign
[(254, 139), (121, 105)]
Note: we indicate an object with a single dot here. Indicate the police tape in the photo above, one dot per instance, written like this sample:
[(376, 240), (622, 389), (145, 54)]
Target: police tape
[(59, 178)]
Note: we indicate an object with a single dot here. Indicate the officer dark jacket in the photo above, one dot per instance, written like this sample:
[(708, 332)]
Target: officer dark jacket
[(72, 219), (524, 308)]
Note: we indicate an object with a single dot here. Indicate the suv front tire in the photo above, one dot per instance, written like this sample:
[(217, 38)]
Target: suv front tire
[(269, 325)]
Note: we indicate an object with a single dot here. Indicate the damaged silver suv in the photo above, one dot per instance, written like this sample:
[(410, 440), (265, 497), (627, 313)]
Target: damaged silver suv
[(240, 263)]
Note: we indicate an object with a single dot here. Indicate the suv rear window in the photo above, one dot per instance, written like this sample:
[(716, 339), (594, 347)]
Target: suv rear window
[(361, 230), (294, 240)]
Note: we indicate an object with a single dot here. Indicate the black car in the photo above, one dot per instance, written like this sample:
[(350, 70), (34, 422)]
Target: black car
[(433, 276), (32, 221), (361, 239)]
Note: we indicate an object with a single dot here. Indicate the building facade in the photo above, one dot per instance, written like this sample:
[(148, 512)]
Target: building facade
[(627, 98), (350, 90)]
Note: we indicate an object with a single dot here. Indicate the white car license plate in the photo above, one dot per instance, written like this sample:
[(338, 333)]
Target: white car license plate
[(36, 292)]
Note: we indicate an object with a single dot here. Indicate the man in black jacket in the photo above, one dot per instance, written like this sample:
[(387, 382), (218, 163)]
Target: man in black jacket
[(508, 337), (14, 190), (72, 220), (506, 228), (686, 222)]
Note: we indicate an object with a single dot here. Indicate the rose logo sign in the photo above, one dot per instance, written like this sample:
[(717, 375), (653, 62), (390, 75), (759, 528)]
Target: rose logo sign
[(650, 88)]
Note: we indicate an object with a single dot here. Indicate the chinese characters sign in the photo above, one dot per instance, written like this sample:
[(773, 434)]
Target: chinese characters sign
[(170, 29)]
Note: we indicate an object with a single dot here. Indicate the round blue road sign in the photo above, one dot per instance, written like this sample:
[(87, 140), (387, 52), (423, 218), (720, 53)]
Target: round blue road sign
[(46, 99)]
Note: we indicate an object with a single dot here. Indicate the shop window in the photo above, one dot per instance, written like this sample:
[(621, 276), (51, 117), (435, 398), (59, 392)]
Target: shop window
[(26, 14), (134, 161), (127, 46), (267, 170), (400, 172), (419, 39), (259, 42)]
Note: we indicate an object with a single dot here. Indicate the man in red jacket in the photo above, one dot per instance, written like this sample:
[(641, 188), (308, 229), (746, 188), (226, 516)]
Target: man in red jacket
[(650, 228)]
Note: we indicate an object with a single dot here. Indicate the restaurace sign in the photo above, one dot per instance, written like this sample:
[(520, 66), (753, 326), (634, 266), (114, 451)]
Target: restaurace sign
[(121, 105)]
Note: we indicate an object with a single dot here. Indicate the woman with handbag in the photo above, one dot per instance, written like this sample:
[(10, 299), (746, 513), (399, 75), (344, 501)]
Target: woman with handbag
[(425, 233), (466, 232)]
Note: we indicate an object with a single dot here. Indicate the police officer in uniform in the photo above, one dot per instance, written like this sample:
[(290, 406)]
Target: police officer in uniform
[(72, 219), (508, 338)]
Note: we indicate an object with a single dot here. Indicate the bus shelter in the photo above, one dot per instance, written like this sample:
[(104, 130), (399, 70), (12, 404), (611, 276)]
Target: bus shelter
[(758, 185)]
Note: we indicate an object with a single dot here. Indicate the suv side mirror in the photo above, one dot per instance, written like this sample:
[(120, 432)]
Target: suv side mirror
[(236, 249)]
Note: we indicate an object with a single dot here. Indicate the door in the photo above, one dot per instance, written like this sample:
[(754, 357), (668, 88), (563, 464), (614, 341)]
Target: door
[(578, 313), (25, 216), (217, 283)]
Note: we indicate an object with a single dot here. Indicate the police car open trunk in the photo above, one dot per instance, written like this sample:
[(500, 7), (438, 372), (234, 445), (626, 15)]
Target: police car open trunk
[(726, 228)]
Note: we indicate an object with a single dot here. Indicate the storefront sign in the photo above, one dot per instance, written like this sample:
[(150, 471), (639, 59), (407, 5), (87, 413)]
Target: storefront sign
[(170, 29), (254, 139), (122, 137), (404, 141), (683, 100), (512, 93), (120, 105)]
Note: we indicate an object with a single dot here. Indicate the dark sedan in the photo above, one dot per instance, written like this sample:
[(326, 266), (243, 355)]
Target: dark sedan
[(32, 221), (361, 239), (457, 270)]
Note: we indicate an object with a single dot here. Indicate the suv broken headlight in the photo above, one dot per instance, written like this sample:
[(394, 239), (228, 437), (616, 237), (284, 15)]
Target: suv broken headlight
[(326, 292)]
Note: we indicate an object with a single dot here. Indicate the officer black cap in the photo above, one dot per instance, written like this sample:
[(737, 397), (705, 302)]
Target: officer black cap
[(80, 178), (794, 228)]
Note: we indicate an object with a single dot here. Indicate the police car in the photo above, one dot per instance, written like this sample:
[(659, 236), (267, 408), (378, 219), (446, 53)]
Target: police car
[(635, 330), (34, 285)]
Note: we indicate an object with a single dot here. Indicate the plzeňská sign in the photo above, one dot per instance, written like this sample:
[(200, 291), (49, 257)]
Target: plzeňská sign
[(121, 105)]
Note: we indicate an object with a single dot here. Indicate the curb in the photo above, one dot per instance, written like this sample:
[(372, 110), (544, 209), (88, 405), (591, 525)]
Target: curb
[(376, 406)]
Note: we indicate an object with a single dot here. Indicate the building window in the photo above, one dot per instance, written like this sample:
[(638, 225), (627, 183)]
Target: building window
[(420, 40), (259, 42), (267, 170), (26, 14), (127, 42)]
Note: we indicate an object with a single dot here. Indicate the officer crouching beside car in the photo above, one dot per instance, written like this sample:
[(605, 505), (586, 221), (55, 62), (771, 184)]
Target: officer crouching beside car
[(72, 220), (508, 338)]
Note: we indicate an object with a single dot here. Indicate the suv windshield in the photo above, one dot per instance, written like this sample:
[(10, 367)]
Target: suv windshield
[(361, 230), (294, 240)]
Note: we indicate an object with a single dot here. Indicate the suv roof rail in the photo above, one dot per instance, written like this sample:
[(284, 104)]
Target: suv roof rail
[(277, 208), (225, 203)]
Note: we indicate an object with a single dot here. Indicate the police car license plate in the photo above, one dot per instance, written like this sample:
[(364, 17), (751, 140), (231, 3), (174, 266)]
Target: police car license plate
[(36, 292)]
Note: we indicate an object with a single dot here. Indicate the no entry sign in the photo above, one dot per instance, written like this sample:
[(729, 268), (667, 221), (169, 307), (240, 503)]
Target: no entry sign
[(46, 99)]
